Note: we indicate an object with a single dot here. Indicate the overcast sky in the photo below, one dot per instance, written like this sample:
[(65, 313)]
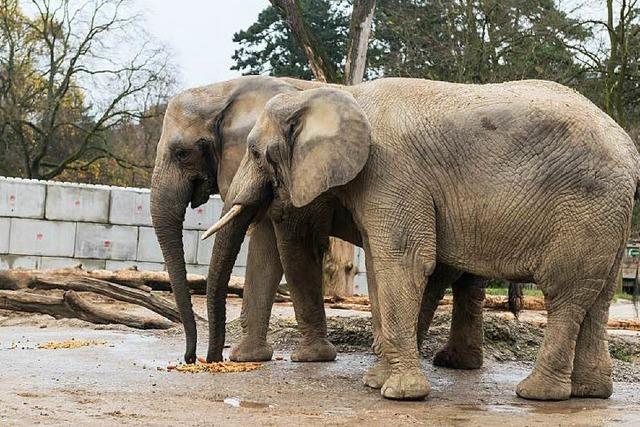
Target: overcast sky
[(200, 33)]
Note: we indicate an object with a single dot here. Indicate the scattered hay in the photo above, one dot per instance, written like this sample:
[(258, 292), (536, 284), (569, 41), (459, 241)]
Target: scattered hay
[(215, 367), (70, 344)]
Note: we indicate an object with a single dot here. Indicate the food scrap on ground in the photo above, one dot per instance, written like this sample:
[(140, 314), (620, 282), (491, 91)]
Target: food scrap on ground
[(69, 344), (215, 367)]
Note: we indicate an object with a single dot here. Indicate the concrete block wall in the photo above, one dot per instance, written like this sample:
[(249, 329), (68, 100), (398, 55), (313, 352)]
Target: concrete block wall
[(46, 224)]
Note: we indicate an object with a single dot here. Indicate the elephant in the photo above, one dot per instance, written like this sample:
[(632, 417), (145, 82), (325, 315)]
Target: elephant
[(519, 180), (202, 143)]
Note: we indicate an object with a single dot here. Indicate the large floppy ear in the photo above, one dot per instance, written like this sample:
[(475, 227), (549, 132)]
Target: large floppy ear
[(242, 105), (330, 138)]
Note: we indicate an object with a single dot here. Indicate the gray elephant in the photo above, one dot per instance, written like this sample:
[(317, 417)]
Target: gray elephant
[(518, 181), (201, 146)]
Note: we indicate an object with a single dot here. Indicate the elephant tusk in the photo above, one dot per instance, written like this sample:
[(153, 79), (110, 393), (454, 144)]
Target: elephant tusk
[(233, 212)]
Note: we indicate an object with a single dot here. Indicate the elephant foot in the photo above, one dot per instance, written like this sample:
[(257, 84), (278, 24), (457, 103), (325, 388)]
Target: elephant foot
[(190, 356), (592, 383), (376, 375), (453, 357), (251, 351), (539, 387), (410, 384), (320, 350)]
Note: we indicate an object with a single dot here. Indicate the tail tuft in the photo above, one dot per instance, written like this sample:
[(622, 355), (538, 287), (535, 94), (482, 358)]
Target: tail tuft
[(515, 299)]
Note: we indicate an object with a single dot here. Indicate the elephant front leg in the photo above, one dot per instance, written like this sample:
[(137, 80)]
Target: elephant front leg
[(376, 375), (303, 271), (264, 272), (464, 348)]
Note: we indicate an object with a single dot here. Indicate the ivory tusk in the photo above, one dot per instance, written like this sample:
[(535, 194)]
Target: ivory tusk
[(233, 212)]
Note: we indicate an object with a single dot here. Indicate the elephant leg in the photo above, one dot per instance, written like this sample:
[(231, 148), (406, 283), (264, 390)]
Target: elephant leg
[(303, 271), (442, 277), (592, 369), (381, 369), (570, 289), (399, 297), (264, 272), (464, 348)]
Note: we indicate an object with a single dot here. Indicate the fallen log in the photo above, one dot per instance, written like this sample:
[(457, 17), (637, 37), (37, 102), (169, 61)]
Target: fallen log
[(145, 281), (71, 305), (73, 280)]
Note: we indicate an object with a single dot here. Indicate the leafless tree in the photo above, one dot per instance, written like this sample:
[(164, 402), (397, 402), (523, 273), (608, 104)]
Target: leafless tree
[(72, 71)]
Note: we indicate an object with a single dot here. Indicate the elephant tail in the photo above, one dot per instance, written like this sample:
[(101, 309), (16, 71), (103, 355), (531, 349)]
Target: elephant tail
[(515, 298)]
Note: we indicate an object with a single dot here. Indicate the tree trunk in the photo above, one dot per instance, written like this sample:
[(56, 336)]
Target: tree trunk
[(320, 66), (338, 269), (359, 33)]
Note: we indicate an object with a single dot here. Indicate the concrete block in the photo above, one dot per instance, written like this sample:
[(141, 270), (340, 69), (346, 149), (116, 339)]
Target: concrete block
[(39, 237), (360, 260), (149, 248), (87, 264), (204, 250), (118, 242), (203, 216), (206, 246), (130, 207), (17, 261), (360, 284), (77, 203), (239, 271), (142, 266), (5, 229), (22, 198), (202, 270), (243, 254)]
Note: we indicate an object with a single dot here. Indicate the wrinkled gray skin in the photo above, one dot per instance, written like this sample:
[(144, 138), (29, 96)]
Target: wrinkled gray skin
[(518, 181), (202, 144)]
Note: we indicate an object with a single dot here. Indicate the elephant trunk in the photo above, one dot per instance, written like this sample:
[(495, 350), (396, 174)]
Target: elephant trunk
[(250, 193), (170, 197), (225, 251)]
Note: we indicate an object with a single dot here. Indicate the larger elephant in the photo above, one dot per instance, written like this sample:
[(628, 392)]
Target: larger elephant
[(202, 144), (519, 181)]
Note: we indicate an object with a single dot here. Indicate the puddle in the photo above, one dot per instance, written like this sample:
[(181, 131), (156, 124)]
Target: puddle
[(236, 402)]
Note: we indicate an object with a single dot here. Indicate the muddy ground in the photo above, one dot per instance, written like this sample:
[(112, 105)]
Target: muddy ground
[(125, 382)]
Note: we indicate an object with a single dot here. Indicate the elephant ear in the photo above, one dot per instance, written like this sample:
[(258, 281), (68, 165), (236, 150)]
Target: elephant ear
[(234, 121), (330, 138)]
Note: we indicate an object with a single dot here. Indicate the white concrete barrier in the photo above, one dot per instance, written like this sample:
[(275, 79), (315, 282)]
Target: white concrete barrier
[(106, 241), (22, 198), (69, 202), (45, 224), (129, 207), (40, 237), (5, 229)]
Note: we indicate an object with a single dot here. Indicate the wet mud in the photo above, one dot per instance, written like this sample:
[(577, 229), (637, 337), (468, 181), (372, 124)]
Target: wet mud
[(125, 381)]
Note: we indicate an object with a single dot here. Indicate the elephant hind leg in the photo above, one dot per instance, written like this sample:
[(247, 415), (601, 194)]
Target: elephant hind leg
[(571, 287), (303, 270), (464, 348), (592, 367)]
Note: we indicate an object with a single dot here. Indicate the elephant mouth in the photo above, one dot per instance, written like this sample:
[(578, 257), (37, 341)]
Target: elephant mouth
[(202, 189)]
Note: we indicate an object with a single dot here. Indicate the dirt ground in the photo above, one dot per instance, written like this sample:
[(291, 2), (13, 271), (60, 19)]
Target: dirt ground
[(125, 381)]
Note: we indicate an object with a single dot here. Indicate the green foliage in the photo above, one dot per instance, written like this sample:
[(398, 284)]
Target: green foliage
[(268, 47)]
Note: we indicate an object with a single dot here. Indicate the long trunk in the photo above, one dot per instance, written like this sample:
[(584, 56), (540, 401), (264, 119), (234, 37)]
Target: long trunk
[(225, 250), (169, 200)]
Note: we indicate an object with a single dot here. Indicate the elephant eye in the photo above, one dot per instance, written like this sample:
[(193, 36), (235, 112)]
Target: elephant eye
[(181, 154)]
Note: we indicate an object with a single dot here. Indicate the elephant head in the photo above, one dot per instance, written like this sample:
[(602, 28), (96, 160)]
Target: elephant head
[(202, 143), (302, 145)]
